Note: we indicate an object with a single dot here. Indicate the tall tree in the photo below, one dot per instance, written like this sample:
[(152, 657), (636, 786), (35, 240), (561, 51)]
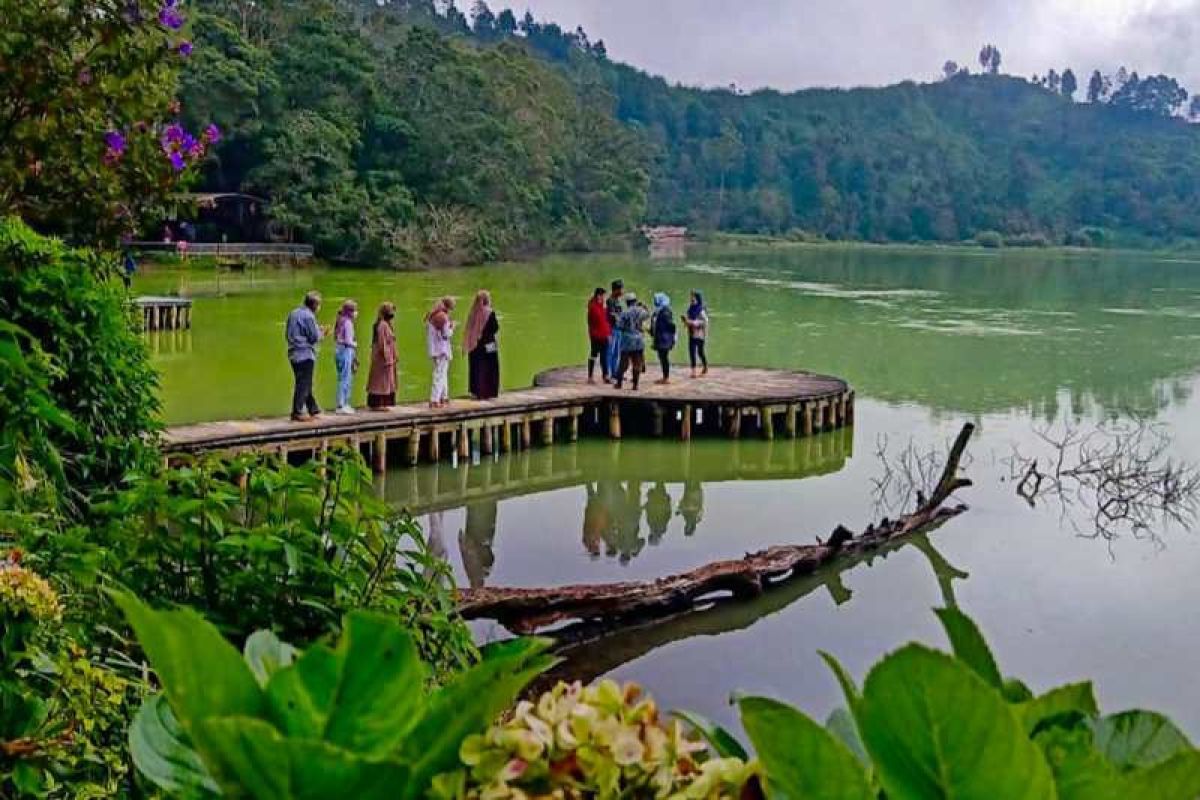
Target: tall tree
[(1069, 83), (989, 59), (483, 21), (1157, 94), (949, 69)]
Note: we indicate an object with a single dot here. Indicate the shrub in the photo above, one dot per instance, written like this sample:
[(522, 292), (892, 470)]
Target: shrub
[(256, 543), (1027, 240), (989, 239), (62, 718), (82, 336), (351, 720)]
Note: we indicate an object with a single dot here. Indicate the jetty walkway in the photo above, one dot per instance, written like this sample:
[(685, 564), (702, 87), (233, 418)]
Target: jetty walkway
[(729, 401)]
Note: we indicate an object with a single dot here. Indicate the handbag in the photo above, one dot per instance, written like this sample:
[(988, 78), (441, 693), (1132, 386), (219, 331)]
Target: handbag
[(490, 347)]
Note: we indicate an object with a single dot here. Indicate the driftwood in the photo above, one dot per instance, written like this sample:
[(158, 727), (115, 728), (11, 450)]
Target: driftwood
[(525, 610)]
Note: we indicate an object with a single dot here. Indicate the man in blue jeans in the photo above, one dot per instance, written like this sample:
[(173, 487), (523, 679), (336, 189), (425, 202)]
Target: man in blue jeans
[(303, 333), (613, 308)]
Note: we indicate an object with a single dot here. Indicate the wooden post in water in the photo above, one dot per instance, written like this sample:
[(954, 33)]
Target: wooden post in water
[(735, 423), (808, 418), (766, 421), (548, 430), (657, 411), (414, 448), (575, 425), (435, 446), (614, 420), (485, 439), (506, 437), (790, 420), (526, 433), (379, 453), (464, 442), (850, 408), (685, 432)]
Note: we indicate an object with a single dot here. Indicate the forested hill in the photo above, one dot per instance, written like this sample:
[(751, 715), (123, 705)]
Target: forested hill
[(404, 132)]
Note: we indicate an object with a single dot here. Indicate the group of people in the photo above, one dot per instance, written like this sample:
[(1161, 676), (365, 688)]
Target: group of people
[(618, 324), (304, 333)]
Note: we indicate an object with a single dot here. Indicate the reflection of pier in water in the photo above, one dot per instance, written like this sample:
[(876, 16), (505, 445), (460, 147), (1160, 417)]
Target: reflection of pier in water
[(591, 650), (465, 481)]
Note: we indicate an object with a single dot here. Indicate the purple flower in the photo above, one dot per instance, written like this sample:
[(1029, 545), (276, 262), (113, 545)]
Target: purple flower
[(184, 49), (169, 17), (172, 136), (176, 159), (85, 76), (115, 140), (212, 134)]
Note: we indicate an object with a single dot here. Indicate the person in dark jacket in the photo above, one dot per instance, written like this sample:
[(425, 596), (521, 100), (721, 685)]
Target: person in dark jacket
[(614, 308), (599, 334), (631, 333), (662, 330)]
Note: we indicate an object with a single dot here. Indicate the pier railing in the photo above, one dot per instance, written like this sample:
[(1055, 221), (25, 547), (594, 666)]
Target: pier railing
[(243, 250)]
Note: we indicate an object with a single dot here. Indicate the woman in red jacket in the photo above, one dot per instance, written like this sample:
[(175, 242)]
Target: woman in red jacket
[(599, 331)]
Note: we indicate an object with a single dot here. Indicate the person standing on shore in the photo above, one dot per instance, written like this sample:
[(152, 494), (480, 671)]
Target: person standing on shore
[(438, 330), (483, 351), (696, 320), (599, 334), (630, 331), (345, 355), (381, 380), (662, 331), (303, 333), (613, 307)]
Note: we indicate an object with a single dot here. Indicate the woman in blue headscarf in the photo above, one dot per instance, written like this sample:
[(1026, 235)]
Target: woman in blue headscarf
[(662, 328), (696, 320)]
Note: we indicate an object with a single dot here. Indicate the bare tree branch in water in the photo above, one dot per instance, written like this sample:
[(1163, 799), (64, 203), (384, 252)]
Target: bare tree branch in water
[(907, 477), (1113, 478)]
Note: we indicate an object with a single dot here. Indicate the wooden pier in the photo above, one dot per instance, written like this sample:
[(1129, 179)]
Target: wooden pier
[(729, 401), (165, 313)]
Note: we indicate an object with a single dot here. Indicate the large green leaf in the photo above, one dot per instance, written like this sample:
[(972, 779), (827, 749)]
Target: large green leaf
[(1138, 738), (802, 760), (969, 646), (1080, 771), (468, 704), (382, 686), (162, 754), (301, 696), (250, 755), (267, 654), (934, 728), (842, 725), (720, 740), (321, 771), (202, 674), (1076, 698), (844, 680), (1177, 778)]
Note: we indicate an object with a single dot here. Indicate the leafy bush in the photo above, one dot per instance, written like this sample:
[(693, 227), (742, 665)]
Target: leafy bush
[(989, 239), (1027, 240), (928, 724), (62, 718), (352, 720), (255, 543), (83, 338)]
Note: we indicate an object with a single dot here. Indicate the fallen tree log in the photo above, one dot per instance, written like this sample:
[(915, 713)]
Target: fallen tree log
[(526, 610)]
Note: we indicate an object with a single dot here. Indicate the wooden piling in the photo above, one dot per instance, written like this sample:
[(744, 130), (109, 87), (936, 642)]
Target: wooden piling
[(790, 420), (379, 453), (548, 430), (464, 442), (685, 431), (657, 411), (526, 433), (435, 446), (808, 411), (485, 440), (614, 420), (506, 436), (575, 425), (766, 421)]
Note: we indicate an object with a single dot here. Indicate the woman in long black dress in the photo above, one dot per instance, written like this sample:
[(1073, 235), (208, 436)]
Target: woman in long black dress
[(483, 353)]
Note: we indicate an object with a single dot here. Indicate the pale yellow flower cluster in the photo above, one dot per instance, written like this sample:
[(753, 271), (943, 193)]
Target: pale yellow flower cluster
[(26, 593), (602, 741)]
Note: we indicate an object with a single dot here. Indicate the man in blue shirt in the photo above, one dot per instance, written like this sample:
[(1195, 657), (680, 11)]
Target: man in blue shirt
[(303, 333)]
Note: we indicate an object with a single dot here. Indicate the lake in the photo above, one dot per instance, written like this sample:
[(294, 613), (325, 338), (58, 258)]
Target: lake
[(1028, 345)]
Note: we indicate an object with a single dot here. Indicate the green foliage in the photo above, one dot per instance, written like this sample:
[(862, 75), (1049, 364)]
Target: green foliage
[(396, 144), (79, 399), (354, 719), (928, 724), (255, 543), (62, 718), (73, 72)]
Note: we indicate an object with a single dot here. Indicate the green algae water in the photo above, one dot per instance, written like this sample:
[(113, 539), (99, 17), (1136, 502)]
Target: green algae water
[(1025, 344)]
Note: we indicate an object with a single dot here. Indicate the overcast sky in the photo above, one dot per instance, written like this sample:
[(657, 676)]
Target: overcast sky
[(788, 44)]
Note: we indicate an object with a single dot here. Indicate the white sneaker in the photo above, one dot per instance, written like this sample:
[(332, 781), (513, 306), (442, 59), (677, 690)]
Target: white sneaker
[(345, 410)]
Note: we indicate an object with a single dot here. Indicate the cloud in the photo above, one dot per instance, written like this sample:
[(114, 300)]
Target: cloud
[(789, 44)]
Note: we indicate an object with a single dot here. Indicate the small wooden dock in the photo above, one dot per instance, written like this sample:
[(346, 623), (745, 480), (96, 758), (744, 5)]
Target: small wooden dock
[(165, 313), (729, 401)]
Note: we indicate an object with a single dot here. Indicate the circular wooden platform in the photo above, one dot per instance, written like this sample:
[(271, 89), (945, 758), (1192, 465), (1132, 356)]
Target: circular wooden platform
[(733, 385)]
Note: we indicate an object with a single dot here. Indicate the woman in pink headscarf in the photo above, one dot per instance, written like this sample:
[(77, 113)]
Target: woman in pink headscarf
[(483, 353)]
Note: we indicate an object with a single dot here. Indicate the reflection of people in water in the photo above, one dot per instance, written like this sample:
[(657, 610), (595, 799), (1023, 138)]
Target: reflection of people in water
[(658, 511), (629, 541), (475, 542), (691, 506), (435, 538), (597, 519)]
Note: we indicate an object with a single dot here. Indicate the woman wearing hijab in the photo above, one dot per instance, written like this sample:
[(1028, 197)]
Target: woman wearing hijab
[(345, 356), (696, 320), (662, 329), (381, 381), (483, 353), (438, 330)]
